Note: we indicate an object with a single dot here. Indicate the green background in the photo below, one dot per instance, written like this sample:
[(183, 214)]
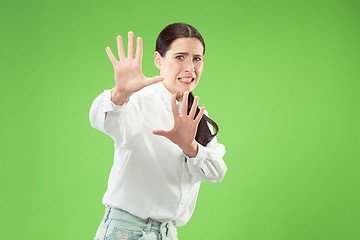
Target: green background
[(281, 79)]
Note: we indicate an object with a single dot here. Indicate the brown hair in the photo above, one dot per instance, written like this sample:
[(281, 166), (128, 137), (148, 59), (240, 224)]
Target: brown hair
[(163, 42)]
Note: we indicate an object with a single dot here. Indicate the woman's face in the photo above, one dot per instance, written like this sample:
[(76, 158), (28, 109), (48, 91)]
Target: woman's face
[(181, 66)]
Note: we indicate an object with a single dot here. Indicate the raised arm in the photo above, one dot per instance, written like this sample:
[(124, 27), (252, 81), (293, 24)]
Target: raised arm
[(205, 163), (116, 112)]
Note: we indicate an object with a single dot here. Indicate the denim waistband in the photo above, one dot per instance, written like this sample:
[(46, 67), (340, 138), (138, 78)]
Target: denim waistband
[(148, 224)]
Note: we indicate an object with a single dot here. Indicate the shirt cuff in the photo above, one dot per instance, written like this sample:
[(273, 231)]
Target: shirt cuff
[(199, 159), (109, 106)]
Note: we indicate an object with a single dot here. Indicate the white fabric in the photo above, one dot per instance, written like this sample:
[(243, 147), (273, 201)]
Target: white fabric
[(149, 176)]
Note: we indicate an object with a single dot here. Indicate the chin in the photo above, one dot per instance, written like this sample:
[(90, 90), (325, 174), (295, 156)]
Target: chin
[(187, 87)]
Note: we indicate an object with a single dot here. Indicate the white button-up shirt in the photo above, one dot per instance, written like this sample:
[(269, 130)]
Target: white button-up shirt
[(151, 176)]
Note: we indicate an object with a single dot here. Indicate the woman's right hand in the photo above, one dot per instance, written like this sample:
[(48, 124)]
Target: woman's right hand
[(128, 75)]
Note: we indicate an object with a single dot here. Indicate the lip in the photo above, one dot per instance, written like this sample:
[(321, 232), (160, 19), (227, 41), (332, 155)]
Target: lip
[(187, 83)]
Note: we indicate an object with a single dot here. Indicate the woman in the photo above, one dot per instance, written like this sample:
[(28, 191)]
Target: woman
[(156, 174)]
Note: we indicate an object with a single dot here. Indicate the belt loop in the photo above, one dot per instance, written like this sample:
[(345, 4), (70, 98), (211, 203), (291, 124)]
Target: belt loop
[(107, 213), (163, 231), (149, 224)]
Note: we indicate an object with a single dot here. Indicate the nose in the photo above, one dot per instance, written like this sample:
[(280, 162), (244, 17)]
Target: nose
[(190, 67)]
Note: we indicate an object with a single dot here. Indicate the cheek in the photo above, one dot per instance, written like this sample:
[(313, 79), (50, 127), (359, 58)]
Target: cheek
[(168, 69), (199, 68), (174, 69)]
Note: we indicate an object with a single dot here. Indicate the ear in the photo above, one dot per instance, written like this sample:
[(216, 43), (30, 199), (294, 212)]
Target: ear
[(157, 59)]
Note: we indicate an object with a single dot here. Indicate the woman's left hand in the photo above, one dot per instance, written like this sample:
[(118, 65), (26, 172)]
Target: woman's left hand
[(185, 126)]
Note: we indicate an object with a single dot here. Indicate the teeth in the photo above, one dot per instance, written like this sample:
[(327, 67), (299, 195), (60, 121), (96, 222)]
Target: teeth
[(186, 79)]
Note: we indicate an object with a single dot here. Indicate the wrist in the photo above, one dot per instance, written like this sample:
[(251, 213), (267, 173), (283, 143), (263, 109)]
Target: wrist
[(191, 150), (119, 98)]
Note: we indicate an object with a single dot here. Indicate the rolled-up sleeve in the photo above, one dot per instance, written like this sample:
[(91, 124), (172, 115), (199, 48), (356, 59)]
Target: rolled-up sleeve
[(121, 123), (208, 165)]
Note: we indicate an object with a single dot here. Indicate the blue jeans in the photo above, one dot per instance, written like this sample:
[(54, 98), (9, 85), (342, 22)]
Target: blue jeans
[(118, 224)]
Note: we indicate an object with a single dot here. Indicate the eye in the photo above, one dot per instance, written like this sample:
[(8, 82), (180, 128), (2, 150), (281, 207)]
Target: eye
[(179, 57), (197, 59)]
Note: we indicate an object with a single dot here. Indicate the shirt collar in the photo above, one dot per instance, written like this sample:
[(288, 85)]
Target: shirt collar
[(166, 96)]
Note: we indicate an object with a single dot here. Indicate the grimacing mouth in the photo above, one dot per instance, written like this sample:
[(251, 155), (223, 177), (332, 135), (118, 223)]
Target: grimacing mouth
[(192, 79)]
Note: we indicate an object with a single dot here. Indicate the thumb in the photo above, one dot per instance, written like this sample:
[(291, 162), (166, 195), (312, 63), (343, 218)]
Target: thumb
[(153, 80), (160, 132)]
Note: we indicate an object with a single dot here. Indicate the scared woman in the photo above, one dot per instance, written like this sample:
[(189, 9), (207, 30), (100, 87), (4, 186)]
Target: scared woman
[(165, 145)]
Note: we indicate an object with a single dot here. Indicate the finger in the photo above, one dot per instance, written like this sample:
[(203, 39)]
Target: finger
[(130, 45), (160, 132), (139, 49), (173, 107), (184, 105), (120, 48), (153, 80), (194, 107), (111, 56), (199, 116)]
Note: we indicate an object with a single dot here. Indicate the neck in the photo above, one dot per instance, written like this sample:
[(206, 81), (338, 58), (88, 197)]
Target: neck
[(179, 95)]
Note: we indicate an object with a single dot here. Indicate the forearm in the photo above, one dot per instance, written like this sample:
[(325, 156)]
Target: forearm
[(98, 111), (208, 165)]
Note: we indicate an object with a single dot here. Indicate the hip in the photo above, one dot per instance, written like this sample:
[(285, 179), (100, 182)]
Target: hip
[(119, 224)]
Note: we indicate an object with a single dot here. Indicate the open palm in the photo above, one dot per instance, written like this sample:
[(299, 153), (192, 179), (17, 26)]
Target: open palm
[(128, 74), (185, 126)]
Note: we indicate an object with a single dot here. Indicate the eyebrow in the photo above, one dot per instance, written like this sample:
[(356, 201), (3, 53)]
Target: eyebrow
[(185, 53)]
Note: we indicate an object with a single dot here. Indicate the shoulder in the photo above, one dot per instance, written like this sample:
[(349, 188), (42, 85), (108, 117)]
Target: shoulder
[(208, 123), (149, 90), (147, 96), (146, 92), (206, 113), (151, 93)]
